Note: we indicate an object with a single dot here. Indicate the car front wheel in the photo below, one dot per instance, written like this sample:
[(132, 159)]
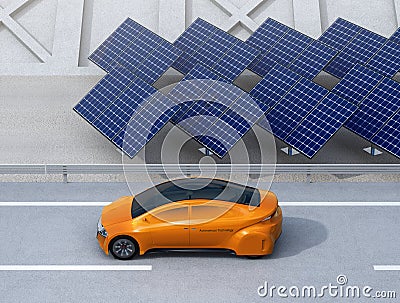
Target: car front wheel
[(124, 248)]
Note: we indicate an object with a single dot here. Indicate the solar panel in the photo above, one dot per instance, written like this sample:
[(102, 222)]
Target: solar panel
[(235, 61), (127, 32), (313, 60), (359, 50), (145, 125), (339, 34), (221, 52), (389, 136), (139, 50), (357, 84), (157, 63), (396, 36), (387, 60), (294, 107), (190, 41), (376, 109), (104, 93), (191, 88), (320, 125), (284, 52), (231, 126), (274, 86), (118, 114), (266, 36), (201, 116)]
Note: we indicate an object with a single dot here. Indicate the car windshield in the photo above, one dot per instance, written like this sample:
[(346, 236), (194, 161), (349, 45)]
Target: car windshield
[(191, 189)]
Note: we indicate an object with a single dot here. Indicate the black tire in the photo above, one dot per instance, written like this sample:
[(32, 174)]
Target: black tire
[(254, 257), (124, 248)]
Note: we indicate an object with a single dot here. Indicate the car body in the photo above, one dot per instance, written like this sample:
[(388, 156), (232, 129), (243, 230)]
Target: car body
[(192, 213)]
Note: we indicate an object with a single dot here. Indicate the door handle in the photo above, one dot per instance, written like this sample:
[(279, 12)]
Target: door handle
[(194, 228), (186, 228)]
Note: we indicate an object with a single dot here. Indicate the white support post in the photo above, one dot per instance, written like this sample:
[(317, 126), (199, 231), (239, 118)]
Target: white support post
[(307, 17), (67, 32), (172, 18)]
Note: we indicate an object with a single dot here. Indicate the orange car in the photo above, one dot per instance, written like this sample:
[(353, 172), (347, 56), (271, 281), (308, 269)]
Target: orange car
[(193, 213)]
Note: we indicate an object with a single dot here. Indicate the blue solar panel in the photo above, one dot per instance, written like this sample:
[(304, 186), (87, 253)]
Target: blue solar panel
[(359, 50), (231, 126), (235, 61), (201, 116), (132, 56), (158, 62), (357, 84), (284, 52), (145, 125), (313, 60), (220, 94), (104, 93), (274, 86), (339, 34), (191, 88), (191, 40), (118, 114), (219, 51), (389, 136), (387, 60), (396, 36), (213, 50), (124, 35), (266, 36), (139, 50), (294, 107), (320, 125), (376, 109)]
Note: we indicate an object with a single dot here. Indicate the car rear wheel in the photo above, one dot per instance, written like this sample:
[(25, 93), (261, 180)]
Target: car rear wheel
[(124, 248)]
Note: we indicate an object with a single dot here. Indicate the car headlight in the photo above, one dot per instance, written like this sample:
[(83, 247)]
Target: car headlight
[(100, 229)]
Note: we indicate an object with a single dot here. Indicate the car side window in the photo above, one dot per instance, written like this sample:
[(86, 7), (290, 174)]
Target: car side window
[(177, 215)]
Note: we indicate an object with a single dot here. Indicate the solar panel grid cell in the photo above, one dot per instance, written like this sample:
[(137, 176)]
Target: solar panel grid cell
[(357, 84), (320, 125), (294, 107), (389, 136), (313, 60), (284, 52), (274, 86), (376, 109), (127, 32), (339, 34), (104, 93), (363, 47), (387, 60), (118, 114), (145, 125)]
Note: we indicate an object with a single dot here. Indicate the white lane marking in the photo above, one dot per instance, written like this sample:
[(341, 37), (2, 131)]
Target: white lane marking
[(288, 204), (75, 267), (387, 267), (54, 204)]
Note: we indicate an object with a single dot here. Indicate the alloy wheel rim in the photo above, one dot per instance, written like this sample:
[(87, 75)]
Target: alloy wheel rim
[(124, 248)]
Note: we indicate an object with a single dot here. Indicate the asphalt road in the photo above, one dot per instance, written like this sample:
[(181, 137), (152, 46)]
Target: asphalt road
[(318, 244)]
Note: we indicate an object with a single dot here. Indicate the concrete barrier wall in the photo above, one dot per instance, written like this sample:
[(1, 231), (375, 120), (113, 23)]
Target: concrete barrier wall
[(47, 37)]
